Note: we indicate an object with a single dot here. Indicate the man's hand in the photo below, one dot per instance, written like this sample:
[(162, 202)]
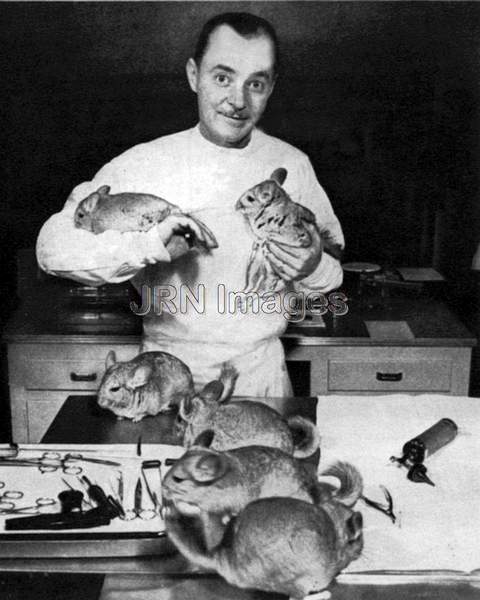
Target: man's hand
[(172, 232), (293, 263)]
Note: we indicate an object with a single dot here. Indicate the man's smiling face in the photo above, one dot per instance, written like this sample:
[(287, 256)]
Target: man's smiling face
[(233, 82)]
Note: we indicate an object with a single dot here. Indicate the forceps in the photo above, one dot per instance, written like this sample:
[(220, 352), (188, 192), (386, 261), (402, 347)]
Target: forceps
[(138, 511), (30, 510), (145, 514)]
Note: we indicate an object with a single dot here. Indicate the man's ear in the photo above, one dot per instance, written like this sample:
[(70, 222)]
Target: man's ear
[(192, 74), (274, 81)]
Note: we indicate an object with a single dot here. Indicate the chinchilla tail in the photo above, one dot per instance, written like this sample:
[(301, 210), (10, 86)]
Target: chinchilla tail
[(351, 482), (187, 541), (228, 376), (306, 437)]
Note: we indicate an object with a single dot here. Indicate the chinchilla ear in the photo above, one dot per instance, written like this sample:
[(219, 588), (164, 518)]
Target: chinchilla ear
[(209, 468), (140, 377), (89, 204), (279, 175), (205, 438), (212, 392), (354, 526), (110, 360), (188, 407), (103, 191), (185, 408)]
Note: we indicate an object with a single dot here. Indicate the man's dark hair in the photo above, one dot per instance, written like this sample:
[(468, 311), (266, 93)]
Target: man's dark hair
[(245, 24)]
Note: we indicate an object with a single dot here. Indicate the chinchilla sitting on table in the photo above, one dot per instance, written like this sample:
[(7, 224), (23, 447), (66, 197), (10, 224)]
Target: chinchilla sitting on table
[(283, 545), (149, 384), (214, 486), (237, 423), (224, 482)]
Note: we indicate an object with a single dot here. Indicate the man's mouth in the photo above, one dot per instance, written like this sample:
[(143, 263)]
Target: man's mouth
[(234, 116)]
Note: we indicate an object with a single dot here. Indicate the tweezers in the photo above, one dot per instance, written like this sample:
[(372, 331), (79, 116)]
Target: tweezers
[(385, 509)]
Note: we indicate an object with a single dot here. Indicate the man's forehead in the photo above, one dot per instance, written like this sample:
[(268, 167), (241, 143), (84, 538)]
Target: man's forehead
[(243, 54)]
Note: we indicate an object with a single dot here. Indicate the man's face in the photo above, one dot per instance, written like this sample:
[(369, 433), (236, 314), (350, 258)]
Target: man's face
[(233, 83)]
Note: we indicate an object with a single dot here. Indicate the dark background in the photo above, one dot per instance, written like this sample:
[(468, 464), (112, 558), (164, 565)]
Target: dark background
[(384, 97)]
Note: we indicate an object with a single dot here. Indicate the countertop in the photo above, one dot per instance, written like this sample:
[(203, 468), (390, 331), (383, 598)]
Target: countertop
[(45, 315)]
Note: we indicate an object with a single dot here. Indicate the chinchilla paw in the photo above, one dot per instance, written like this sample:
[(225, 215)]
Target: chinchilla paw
[(323, 595)]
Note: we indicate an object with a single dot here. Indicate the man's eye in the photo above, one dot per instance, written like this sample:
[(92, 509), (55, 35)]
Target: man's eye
[(222, 79), (257, 86)]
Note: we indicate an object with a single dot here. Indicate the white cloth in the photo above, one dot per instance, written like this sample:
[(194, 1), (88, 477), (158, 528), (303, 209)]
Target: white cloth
[(438, 527), (197, 175)]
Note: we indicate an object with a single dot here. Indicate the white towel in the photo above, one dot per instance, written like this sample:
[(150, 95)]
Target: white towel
[(438, 527)]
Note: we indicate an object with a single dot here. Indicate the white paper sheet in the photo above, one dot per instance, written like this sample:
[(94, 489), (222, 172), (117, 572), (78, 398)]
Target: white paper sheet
[(438, 527)]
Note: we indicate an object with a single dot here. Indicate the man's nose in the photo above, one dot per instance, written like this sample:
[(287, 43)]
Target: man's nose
[(237, 97)]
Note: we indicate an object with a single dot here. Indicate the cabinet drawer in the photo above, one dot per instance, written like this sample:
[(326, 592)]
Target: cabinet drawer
[(62, 366), (64, 374), (398, 375)]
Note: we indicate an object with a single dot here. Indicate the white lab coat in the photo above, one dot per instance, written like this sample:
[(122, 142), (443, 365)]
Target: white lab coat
[(197, 175)]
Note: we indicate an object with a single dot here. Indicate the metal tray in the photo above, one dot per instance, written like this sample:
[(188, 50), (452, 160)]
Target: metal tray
[(119, 539), (84, 545)]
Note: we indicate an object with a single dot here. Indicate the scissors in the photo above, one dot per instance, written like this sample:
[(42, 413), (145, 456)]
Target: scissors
[(40, 503), (7, 496), (386, 509), (51, 461), (47, 463)]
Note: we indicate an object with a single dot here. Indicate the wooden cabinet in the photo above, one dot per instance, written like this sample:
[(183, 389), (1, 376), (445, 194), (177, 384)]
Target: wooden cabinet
[(46, 365), (43, 374), (386, 369)]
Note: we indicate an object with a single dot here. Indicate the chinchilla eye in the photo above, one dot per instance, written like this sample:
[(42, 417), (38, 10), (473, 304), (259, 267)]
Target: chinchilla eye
[(80, 215), (354, 525), (115, 388)]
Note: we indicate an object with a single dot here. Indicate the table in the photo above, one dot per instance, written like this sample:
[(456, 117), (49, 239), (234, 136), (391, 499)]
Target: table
[(87, 425), (81, 421)]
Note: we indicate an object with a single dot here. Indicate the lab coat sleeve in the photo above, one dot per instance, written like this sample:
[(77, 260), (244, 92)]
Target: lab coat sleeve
[(329, 273), (110, 257)]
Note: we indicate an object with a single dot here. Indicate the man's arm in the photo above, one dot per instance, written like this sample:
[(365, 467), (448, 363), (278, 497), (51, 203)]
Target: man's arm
[(111, 257)]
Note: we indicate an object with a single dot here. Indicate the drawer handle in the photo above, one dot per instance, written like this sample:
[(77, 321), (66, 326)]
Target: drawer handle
[(88, 377), (389, 376)]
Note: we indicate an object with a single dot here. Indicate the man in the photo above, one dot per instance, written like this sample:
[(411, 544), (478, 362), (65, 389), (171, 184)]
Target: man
[(204, 170)]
